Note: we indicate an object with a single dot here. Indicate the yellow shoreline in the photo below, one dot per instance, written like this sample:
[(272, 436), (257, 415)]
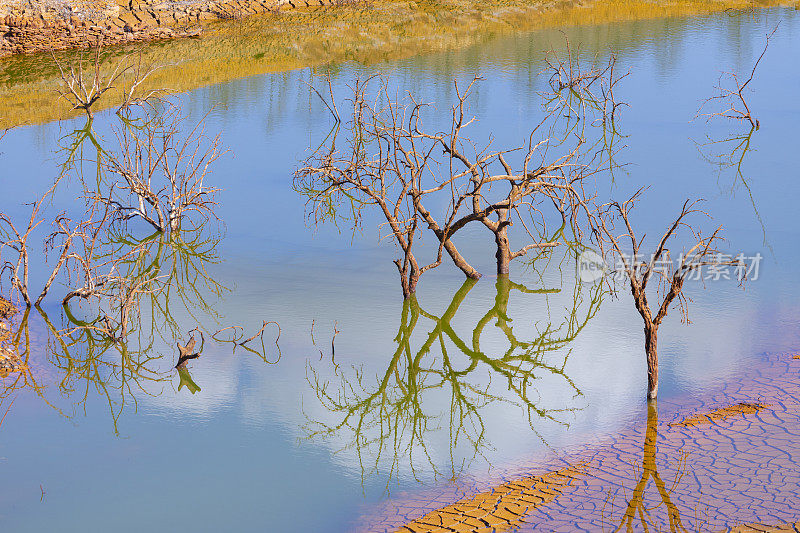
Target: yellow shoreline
[(365, 33)]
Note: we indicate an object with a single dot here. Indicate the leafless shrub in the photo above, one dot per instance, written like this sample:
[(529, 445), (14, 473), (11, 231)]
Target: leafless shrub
[(638, 270), (731, 93), (569, 72), (14, 240), (96, 255), (593, 85), (102, 273), (119, 286), (85, 83), (584, 94), (389, 179), (162, 172), (128, 289)]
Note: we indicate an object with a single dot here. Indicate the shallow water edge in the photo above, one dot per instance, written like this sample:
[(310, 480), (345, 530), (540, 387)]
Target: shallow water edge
[(311, 37)]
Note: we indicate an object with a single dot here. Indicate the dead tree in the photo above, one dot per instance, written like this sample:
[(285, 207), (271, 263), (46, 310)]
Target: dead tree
[(394, 163), (638, 270), (85, 81), (14, 240), (583, 93), (384, 166), (569, 72), (161, 174), (525, 194), (731, 92)]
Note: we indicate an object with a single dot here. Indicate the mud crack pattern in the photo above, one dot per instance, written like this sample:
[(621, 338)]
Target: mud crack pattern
[(499, 509), (729, 462), (739, 409)]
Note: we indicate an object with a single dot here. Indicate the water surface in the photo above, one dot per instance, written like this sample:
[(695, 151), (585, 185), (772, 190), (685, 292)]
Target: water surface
[(260, 445)]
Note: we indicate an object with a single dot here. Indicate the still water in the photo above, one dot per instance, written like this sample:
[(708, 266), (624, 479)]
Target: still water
[(337, 417)]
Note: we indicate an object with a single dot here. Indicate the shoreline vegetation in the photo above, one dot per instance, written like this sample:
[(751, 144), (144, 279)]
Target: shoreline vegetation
[(280, 37)]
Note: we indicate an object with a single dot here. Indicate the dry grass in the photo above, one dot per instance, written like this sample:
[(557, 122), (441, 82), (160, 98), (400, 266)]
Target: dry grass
[(366, 33)]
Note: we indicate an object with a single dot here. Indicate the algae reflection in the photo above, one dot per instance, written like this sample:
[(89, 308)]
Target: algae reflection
[(438, 382)]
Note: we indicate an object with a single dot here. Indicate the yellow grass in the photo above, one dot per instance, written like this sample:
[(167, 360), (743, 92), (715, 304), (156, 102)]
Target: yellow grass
[(387, 29)]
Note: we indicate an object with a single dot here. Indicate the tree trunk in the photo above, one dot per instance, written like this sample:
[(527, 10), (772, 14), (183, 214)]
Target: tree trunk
[(460, 262), (651, 349), (503, 254), (406, 289), (409, 282)]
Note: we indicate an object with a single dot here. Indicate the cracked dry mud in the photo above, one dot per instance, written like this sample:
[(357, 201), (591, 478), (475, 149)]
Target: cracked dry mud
[(730, 462), (501, 508), (739, 409)]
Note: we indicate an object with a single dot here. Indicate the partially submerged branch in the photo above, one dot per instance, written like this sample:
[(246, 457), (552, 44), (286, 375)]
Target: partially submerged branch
[(732, 93), (395, 165)]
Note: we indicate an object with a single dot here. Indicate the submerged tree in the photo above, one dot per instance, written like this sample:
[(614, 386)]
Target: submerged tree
[(124, 289), (729, 152), (731, 93), (161, 172), (441, 180), (156, 174), (638, 270)]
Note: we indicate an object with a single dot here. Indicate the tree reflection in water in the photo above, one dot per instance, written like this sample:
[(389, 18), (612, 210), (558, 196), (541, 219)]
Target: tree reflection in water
[(729, 154), (130, 294), (391, 420), (637, 509), (120, 360)]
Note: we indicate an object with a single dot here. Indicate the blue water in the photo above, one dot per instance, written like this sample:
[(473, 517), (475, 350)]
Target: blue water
[(238, 455)]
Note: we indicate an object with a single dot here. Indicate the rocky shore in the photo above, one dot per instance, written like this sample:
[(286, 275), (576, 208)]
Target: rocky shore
[(9, 360), (34, 26)]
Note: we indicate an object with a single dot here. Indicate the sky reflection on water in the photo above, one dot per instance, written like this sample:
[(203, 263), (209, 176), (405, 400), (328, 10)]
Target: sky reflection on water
[(237, 453)]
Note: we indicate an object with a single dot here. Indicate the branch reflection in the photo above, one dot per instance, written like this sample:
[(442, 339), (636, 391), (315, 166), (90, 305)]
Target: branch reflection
[(113, 347), (440, 385)]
